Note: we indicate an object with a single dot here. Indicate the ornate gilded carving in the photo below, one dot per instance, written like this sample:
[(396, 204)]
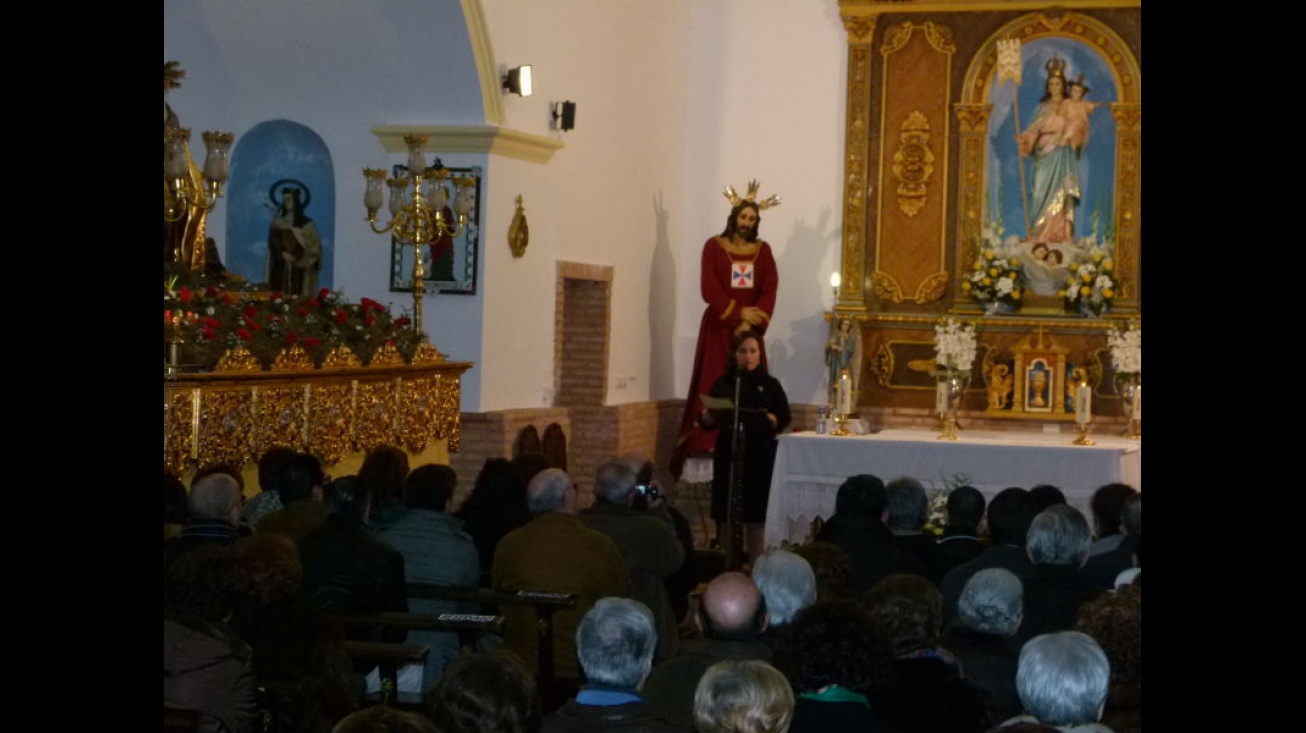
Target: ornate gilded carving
[(238, 359), (342, 357), (226, 433), (418, 408), (1128, 117), (448, 423), (940, 37), (330, 419), (932, 288), (376, 416), (882, 365), (427, 354), (913, 162), (292, 359), (860, 29), (279, 417), (387, 355), (895, 37), (886, 288), (178, 429), (973, 117)]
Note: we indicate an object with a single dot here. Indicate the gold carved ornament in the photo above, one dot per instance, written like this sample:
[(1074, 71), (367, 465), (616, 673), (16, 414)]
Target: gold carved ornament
[(885, 287), (882, 365), (279, 417), (226, 432), (448, 424), (330, 415), (292, 359), (519, 232), (418, 409), (179, 429), (913, 163), (376, 414), (932, 288)]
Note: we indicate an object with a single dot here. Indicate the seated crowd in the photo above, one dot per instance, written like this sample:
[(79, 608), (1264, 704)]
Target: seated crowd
[(1016, 614)]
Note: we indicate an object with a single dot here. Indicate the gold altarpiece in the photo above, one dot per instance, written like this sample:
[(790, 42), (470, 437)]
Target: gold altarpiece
[(337, 412), (917, 165)]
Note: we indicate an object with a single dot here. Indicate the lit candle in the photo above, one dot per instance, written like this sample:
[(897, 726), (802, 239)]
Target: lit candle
[(845, 394), (1083, 404), (1138, 403)]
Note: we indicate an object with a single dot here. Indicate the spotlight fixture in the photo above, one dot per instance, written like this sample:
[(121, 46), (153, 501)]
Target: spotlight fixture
[(564, 115), (518, 81)]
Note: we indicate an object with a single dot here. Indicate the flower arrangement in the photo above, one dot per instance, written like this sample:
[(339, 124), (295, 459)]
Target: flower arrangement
[(938, 517), (1091, 285), (995, 279), (1126, 344), (954, 344), (208, 320)]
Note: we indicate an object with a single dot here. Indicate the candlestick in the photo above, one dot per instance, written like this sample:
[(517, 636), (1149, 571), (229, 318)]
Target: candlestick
[(845, 393), (1138, 404)]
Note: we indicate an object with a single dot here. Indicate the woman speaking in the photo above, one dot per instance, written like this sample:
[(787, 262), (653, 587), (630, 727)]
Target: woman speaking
[(763, 414)]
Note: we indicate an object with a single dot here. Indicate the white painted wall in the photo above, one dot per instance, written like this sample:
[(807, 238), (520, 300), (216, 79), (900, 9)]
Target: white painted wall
[(676, 99)]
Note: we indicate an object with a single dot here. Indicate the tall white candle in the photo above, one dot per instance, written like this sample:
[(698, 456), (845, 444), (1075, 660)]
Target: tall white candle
[(845, 394), (1138, 403), (1083, 404), (941, 397)]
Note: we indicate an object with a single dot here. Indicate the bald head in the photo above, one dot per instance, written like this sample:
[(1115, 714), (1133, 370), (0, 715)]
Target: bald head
[(216, 496), (732, 608)]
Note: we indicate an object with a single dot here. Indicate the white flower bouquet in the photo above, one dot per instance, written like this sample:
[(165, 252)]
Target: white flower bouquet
[(1126, 344), (995, 279), (954, 344), (1091, 285)]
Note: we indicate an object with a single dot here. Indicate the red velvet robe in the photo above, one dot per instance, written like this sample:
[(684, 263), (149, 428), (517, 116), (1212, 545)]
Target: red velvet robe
[(728, 282)]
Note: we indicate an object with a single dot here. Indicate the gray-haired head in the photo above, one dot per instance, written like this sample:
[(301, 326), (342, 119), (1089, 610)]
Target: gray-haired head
[(909, 506), (215, 496), (547, 491), (992, 602), (787, 582), (615, 642), (1059, 535), (614, 483), (1062, 678)]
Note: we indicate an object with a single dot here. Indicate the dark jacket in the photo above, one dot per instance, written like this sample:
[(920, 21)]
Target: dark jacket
[(348, 568), (870, 546), (633, 717)]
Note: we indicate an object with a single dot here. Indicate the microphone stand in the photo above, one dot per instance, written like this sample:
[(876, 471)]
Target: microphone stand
[(734, 488)]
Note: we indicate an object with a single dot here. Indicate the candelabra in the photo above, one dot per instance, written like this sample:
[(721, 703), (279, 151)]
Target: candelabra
[(182, 189), (419, 215)]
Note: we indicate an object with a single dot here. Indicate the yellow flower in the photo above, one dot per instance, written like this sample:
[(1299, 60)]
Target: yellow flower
[(965, 286), (1108, 293), (1015, 295), (1086, 277), (1061, 293), (1109, 265), (987, 282), (1097, 256), (993, 271), (1085, 291), (989, 254)]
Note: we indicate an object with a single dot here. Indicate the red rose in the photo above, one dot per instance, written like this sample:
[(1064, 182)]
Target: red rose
[(324, 292), (342, 316), (402, 321), (208, 333), (302, 311), (252, 325), (211, 292), (313, 303), (291, 337), (185, 294), (369, 319), (211, 322), (167, 316), (244, 335), (228, 298), (312, 342), (250, 310)]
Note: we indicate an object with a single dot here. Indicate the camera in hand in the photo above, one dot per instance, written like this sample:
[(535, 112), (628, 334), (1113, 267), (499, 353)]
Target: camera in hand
[(649, 491)]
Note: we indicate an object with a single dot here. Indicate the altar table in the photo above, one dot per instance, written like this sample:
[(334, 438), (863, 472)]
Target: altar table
[(809, 468)]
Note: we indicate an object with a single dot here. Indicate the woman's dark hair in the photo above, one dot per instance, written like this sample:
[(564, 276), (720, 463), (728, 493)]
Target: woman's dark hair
[(834, 643)]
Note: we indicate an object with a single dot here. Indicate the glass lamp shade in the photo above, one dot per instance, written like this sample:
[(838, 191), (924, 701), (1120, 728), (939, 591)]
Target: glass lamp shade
[(462, 202), (174, 152), (398, 194), (218, 148), (416, 159), (374, 196)]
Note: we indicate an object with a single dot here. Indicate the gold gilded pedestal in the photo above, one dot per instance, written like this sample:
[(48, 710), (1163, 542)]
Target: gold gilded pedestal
[(232, 417)]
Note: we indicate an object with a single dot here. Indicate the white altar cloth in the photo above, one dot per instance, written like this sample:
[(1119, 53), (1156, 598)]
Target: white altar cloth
[(809, 467)]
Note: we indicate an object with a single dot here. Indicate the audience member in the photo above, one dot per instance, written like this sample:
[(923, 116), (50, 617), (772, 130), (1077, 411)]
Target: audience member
[(384, 470), (788, 586), (909, 512), (486, 692), (963, 512), (983, 636), (556, 552), (615, 643), (1107, 503), (685, 579), (1063, 679), (348, 568), (299, 658), (175, 507), (647, 541), (746, 696), (1009, 515), (837, 657), (1046, 495), (733, 618), (268, 499), (1103, 568), (926, 691), (530, 463), (382, 719), (833, 569), (214, 513), (206, 666), (495, 507), (1115, 621), (1058, 543), (298, 481), (436, 552), (860, 508)]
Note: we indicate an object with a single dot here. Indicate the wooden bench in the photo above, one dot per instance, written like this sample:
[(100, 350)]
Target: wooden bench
[(388, 658)]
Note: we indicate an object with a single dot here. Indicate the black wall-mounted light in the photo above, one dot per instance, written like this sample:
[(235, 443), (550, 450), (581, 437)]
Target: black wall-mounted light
[(564, 115), (518, 81)]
